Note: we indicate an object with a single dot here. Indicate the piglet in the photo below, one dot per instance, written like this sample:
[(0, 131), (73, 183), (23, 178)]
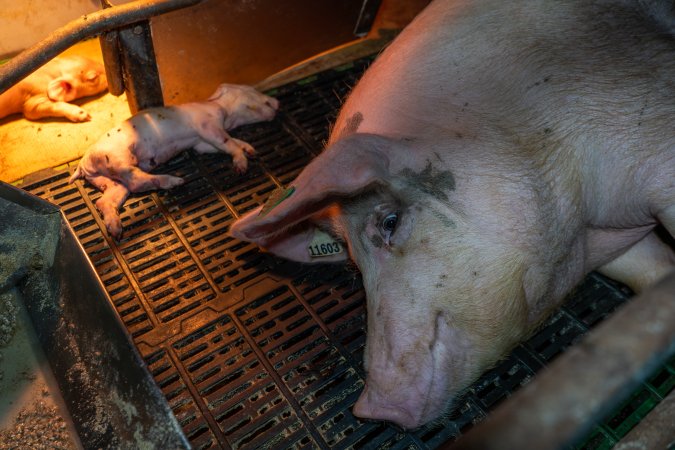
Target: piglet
[(118, 162), (47, 91)]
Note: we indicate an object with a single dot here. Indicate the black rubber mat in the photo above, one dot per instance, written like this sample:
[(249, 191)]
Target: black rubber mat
[(251, 351)]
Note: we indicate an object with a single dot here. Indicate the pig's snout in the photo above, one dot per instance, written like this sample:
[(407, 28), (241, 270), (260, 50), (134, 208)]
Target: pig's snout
[(412, 377), (371, 405), (407, 402)]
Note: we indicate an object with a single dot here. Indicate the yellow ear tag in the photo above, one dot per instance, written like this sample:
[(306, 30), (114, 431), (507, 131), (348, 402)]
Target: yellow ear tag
[(277, 196), (323, 244)]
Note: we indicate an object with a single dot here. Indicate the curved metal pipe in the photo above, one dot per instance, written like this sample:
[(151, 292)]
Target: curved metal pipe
[(86, 26)]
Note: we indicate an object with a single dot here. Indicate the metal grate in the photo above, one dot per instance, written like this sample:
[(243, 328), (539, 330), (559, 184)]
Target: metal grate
[(251, 351)]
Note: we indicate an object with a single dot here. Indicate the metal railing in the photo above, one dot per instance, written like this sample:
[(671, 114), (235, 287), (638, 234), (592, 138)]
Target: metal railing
[(135, 48)]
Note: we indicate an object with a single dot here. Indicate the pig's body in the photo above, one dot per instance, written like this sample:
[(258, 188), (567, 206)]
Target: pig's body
[(497, 152), (47, 91), (118, 162)]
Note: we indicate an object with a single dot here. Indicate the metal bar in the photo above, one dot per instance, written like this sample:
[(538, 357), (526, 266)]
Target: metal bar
[(562, 404), (364, 23), (139, 68), (86, 26), (112, 60), (656, 430)]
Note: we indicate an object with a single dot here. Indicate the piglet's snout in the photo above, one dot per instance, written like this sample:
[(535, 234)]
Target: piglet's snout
[(271, 108)]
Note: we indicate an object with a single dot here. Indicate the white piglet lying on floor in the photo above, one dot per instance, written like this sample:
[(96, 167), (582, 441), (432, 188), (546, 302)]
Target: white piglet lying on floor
[(118, 162)]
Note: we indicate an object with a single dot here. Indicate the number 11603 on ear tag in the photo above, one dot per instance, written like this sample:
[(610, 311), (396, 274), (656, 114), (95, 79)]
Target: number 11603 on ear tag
[(323, 244)]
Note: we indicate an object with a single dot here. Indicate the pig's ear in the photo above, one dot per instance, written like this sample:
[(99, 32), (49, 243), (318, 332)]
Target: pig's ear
[(219, 92), (285, 225), (305, 242), (60, 90)]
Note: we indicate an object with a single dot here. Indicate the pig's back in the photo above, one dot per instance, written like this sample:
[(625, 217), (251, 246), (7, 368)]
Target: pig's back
[(460, 67), (578, 89)]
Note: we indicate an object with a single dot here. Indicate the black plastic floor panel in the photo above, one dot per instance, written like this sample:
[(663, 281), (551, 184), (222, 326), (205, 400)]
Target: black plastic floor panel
[(251, 351)]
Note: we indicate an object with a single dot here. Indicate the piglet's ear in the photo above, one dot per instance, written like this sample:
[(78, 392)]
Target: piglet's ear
[(347, 168), (60, 90), (219, 92)]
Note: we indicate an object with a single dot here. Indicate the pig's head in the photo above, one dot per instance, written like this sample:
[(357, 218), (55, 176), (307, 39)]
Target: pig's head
[(442, 270), (243, 105), (80, 77)]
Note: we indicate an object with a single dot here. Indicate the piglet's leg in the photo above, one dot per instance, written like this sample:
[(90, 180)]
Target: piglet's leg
[(109, 204), (205, 147), (39, 107), (139, 181), (219, 139)]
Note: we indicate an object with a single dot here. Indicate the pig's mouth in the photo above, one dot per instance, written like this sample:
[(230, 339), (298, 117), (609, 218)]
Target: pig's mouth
[(412, 399)]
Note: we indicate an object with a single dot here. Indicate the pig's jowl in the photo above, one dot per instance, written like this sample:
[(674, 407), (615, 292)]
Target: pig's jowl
[(492, 156)]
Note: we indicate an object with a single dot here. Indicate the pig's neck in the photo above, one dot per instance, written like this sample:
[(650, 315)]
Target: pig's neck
[(551, 233)]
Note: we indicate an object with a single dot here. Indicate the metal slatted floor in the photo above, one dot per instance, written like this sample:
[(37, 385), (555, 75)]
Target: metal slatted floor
[(249, 350)]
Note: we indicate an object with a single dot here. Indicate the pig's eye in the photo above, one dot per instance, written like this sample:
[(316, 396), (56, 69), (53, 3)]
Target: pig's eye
[(388, 225)]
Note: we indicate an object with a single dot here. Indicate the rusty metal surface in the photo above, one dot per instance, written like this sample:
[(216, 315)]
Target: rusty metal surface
[(656, 430), (86, 26), (580, 388)]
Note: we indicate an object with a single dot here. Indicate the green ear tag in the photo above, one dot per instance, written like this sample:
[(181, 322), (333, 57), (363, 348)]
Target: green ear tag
[(276, 197)]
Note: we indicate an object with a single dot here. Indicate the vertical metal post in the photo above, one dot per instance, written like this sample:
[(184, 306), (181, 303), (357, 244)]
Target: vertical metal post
[(112, 60), (129, 57), (139, 66)]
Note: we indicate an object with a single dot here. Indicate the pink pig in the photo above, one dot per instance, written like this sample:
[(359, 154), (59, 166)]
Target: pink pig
[(118, 162), (490, 158), (47, 91)]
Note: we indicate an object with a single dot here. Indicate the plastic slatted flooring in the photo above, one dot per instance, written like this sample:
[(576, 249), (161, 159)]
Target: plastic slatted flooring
[(254, 352)]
